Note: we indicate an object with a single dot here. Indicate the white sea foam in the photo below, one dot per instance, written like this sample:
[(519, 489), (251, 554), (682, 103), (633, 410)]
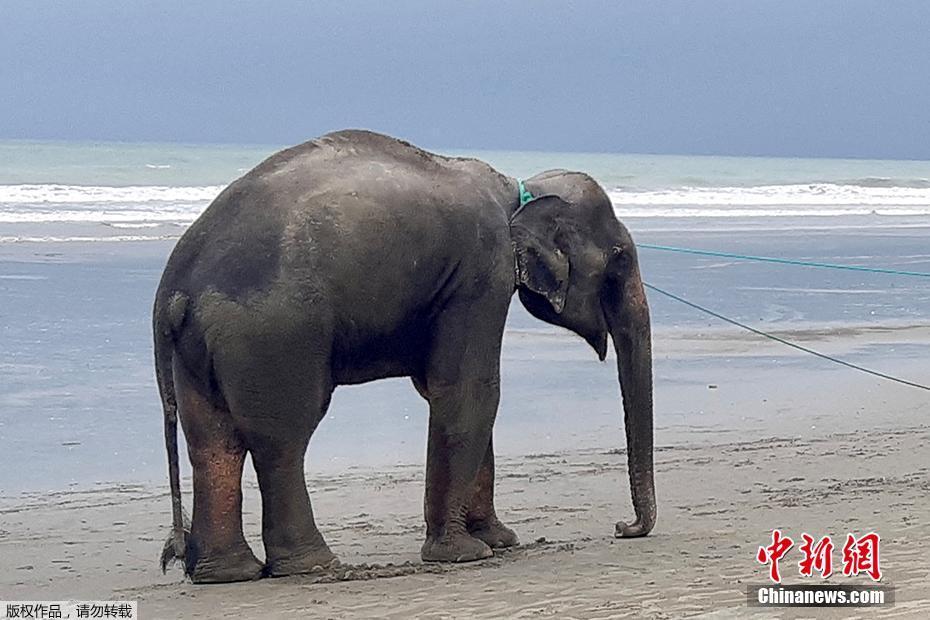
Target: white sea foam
[(93, 194), (768, 212), (119, 206), (136, 225), (147, 206), (173, 215), (817, 199), (80, 238)]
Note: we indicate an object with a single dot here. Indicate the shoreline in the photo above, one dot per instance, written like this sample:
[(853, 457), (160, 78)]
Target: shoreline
[(745, 367)]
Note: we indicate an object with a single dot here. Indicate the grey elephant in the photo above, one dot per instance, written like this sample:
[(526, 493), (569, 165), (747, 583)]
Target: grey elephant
[(355, 257)]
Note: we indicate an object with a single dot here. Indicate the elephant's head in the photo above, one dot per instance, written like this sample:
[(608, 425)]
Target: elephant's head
[(577, 268)]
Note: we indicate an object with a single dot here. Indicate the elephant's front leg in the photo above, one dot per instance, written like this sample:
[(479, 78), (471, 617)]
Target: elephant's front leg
[(462, 384), (482, 519), (461, 418)]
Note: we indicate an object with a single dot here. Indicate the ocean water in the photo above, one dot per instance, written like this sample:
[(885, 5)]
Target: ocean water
[(137, 186), (85, 230)]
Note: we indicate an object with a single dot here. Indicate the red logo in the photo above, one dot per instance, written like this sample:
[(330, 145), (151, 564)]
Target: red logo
[(817, 557), (773, 553), (860, 555)]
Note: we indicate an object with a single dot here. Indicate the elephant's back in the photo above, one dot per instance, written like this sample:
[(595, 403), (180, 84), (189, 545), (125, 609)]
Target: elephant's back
[(234, 247), (333, 198), (364, 164), (327, 154)]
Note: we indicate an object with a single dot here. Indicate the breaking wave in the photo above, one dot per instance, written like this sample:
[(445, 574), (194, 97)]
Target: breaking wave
[(85, 194), (137, 206), (80, 203), (870, 196)]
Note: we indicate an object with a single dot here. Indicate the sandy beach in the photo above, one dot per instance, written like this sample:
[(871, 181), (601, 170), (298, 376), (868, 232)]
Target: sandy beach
[(828, 453)]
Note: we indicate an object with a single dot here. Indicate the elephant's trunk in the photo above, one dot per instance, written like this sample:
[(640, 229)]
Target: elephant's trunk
[(628, 319)]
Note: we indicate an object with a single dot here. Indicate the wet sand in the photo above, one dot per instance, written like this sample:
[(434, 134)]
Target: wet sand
[(809, 449)]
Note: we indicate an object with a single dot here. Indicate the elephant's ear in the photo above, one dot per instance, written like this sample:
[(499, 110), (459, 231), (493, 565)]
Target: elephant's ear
[(542, 267)]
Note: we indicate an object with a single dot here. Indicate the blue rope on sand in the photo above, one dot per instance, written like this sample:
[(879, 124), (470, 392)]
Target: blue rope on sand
[(783, 261), (783, 341)]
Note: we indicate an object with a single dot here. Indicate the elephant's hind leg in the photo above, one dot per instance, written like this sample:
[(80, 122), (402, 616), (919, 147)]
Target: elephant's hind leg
[(293, 544), (277, 414), (216, 551), (481, 520)]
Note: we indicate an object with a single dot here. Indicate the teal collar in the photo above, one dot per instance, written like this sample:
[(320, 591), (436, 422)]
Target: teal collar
[(525, 195)]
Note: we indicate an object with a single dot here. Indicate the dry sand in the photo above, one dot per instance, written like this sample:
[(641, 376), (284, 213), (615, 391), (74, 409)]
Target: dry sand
[(827, 453)]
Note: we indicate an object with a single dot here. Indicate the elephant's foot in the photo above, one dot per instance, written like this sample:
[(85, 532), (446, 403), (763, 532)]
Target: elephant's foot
[(633, 530), (494, 533), (313, 560), (226, 567), (455, 548)]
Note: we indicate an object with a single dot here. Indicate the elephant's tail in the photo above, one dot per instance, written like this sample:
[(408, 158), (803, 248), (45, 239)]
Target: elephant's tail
[(168, 316)]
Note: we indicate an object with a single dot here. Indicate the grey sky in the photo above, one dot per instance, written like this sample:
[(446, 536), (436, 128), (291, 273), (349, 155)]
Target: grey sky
[(807, 77)]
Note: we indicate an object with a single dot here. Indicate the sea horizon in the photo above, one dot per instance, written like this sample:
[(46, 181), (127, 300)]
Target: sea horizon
[(448, 150)]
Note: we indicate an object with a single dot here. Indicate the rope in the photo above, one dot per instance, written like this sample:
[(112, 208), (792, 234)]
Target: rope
[(783, 341), (783, 261)]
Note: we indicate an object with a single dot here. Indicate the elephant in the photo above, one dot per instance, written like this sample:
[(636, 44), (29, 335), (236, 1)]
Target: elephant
[(354, 257)]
